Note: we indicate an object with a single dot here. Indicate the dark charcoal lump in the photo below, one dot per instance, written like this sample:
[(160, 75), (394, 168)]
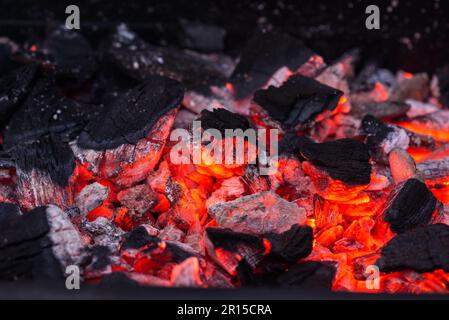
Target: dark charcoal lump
[(222, 119), (411, 205), (131, 117), (47, 154), (309, 274), (46, 111), (98, 258), (423, 249), (264, 54), (298, 100), (442, 75), (293, 244), (137, 238), (25, 249), (14, 86), (230, 240), (139, 60), (291, 143), (345, 159), (8, 211), (71, 54)]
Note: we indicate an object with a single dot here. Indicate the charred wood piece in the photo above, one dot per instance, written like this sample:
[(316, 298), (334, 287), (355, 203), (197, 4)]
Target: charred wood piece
[(222, 119), (380, 110), (345, 159), (293, 244), (410, 205), (298, 100), (310, 275), (422, 249)]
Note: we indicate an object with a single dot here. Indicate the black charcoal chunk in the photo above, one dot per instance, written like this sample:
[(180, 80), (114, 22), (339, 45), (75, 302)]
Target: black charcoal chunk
[(291, 143), (230, 240), (139, 60), (376, 131), (46, 111), (14, 86), (293, 244), (411, 204), (345, 159), (264, 54), (131, 117), (309, 274), (49, 154), (380, 110), (222, 119), (25, 249), (201, 37), (137, 238), (298, 100), (98, 258), (8, 211), (71, 54), (423, 249)]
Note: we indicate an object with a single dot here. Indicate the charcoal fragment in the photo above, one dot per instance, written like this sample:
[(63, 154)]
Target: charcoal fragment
[(423, 249), (14, 86), (222, 119), (264, 54), (130, 118), (411, 204), (293, 244), (298, 100), (440, 85), (345, 159)]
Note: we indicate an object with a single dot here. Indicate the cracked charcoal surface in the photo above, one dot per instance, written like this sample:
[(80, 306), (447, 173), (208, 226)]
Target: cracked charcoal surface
[(298, 100), (131, 117), (222, 119)]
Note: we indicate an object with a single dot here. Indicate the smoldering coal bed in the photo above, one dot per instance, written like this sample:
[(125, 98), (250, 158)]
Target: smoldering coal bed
[(87, 178)]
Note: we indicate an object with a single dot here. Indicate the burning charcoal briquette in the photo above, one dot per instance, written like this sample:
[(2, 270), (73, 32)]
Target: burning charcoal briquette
[(345, 159), (298, 100), (422, 249), (264, 54), (411, 204)]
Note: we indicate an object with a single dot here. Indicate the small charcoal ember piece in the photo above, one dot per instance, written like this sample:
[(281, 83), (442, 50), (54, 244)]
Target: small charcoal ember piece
[(310, 275), (125, 141), (418, 108), (440, 85), (265, 54), (435, 124), (104, 232), (422, 249), (382, 138), (228, 248), (411, 204), (14, 86), (222, 119), (137, 238), (230, 189), (139, 60), (91, 197), (259, 214), (26, 247), (345, 159), (370, 75), (402, 165), (43, 169), (139, 198), (380, 110), (187, 274), (298, 100), (292, 143), (292, 244), (417, 88)]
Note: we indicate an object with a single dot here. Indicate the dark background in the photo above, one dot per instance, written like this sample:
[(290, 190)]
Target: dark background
[(413, 36)]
